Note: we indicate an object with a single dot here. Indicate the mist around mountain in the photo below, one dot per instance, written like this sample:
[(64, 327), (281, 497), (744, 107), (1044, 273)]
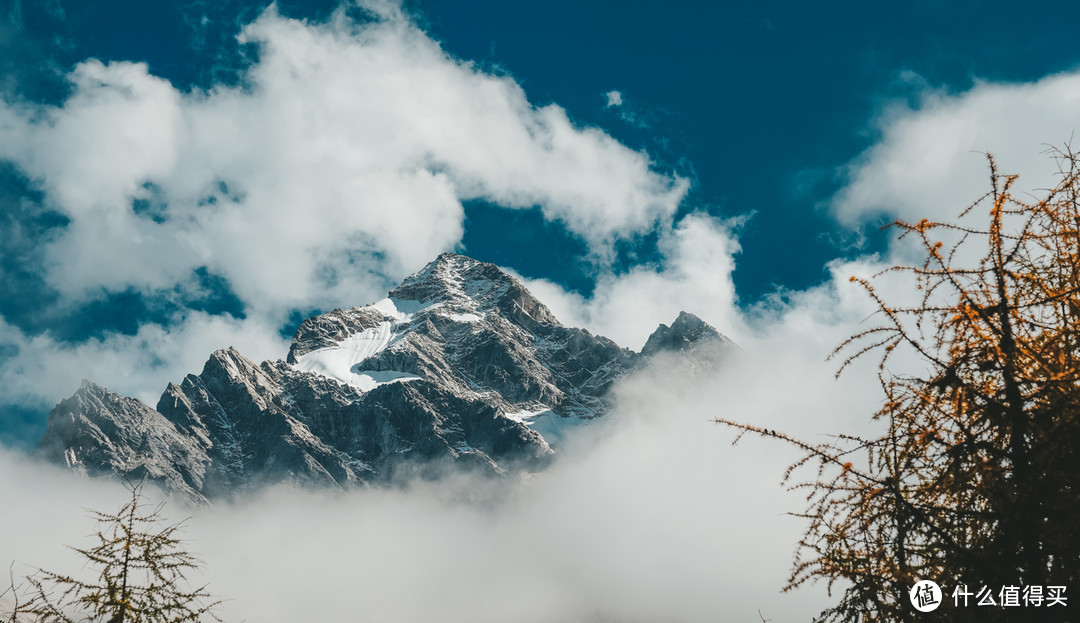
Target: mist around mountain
[(644, 513)]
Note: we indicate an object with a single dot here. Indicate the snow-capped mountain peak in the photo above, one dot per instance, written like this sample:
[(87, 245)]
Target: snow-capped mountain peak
[(460, 364)]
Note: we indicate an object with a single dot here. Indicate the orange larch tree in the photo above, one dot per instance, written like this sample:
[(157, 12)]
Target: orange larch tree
[(973, 481)]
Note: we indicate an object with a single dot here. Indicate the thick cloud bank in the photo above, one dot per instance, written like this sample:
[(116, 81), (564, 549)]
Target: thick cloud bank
[(651, 515)]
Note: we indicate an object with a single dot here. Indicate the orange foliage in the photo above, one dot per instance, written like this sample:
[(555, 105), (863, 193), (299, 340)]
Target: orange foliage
[(974, 479)]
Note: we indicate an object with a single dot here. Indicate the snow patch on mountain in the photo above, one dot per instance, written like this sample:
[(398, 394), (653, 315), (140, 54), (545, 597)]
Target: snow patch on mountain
[(402, 310), (343, 361)]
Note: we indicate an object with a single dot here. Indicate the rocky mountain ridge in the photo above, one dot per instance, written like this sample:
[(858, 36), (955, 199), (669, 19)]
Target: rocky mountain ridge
[(460, 366)]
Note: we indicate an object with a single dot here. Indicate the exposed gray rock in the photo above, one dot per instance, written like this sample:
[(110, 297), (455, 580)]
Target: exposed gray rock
[(447, 371), (96, 432), (687, 334)]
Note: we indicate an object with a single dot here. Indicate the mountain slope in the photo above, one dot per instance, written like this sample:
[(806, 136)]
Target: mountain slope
[(460, 366)]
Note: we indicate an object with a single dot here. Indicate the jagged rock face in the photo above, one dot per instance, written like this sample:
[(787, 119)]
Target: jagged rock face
[(687, 334), (97, 432), (473, 330), (460, 366)]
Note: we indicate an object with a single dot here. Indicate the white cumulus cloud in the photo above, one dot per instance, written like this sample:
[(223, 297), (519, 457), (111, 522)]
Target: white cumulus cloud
[(338, 167), (694, 276), (929, 162)]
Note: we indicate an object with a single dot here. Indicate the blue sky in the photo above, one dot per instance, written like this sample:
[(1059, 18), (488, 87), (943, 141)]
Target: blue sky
[(166, 188)]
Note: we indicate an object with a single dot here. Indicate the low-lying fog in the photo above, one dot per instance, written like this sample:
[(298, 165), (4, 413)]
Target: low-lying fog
[(649, 515)]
